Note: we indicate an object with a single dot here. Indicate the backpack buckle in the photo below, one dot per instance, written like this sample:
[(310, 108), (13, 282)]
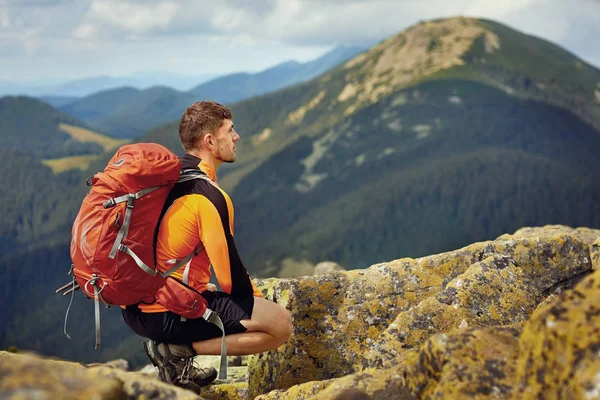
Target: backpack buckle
[(130, 200), (109, 203)]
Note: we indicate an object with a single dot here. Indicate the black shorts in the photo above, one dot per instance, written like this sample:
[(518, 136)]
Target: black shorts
[(167, 327)]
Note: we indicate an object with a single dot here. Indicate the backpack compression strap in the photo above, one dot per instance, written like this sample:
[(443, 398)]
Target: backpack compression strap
[(186, 175), (130, 199)]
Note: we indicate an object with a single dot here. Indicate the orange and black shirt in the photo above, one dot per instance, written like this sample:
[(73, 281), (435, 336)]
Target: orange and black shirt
[(199, 218)]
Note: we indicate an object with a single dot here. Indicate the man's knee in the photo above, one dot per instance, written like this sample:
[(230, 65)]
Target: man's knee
[(284, 326)]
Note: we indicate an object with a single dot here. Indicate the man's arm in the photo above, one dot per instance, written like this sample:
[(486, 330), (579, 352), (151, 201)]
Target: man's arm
[(220, 247)]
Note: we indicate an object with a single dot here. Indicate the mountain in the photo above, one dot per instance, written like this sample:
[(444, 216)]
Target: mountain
[(451, 132), (58, 101), (43, 126), (43, 151), (128, 112), (87, 86), (235, 87)]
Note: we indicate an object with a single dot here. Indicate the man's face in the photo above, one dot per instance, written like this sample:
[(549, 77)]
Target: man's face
[(225, 139)]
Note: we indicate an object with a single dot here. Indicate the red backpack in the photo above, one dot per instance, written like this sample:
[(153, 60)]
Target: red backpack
[(112, 245)]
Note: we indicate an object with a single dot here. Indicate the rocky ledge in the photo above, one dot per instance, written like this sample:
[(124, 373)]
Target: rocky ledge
[(513, 318)]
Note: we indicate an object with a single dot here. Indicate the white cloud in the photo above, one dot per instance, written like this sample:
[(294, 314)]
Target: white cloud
[(228, 35), (137, 18), (498, 9), (4, 20), (85, 31)]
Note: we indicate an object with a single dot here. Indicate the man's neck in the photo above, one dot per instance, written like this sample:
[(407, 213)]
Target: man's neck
[(207, 158)]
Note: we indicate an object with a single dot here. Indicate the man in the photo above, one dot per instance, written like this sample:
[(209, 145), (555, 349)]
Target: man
[(199, 219)]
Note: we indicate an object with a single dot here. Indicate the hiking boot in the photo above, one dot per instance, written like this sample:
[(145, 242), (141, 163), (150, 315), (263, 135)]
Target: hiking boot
[(175, 365)]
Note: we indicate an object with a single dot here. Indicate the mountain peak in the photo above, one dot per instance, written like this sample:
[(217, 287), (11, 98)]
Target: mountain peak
[(418, 52)]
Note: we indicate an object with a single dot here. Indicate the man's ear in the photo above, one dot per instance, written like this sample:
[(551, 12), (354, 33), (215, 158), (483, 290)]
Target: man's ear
[(208, 140)]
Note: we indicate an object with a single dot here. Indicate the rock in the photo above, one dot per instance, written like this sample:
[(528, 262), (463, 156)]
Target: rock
[(339, 319), (138, 386), (491, 292), (26, 375), (149, 370), (119, 364), (586, 235), (326, 267), (595, 254), (30, 376), (517, 317), (473, 363), (559, 347), (469, 363), (237, 361), (231, 390)]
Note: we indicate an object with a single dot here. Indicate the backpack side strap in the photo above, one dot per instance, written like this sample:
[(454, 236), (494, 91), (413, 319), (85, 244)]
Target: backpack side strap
[(213, 318)]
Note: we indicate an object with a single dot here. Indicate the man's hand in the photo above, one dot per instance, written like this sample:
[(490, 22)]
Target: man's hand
[(211, 287)]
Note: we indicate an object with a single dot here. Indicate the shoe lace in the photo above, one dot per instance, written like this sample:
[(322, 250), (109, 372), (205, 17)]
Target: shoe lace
[(187, 368)]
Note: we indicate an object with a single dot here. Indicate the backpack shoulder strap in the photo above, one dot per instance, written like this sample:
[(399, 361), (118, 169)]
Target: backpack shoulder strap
[(189, 174)]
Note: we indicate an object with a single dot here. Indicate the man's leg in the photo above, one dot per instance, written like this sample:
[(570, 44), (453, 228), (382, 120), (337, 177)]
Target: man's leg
[(269, 327)]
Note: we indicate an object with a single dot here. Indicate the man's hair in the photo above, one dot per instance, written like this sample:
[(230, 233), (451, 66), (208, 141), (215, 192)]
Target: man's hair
[(199, 119)]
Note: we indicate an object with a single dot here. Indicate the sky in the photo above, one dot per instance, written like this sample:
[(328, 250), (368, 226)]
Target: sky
[(57, 40)]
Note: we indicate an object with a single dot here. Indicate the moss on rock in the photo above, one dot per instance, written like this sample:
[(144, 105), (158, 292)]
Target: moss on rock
[(560, 346)]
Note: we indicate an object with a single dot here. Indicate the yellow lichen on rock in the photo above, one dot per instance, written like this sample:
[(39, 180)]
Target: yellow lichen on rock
[(559, 346), (595, 254), (29, 376), (474, 363), (491, 292), (344, 321), (137, 386)]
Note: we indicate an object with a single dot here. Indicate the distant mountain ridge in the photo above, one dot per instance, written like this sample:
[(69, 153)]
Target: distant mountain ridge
[(87, 86), (235, 87), (128, 112)]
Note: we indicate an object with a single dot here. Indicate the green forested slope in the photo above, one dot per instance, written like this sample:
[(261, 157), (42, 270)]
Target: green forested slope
[(36, 204), (477, 169), (32, 126)]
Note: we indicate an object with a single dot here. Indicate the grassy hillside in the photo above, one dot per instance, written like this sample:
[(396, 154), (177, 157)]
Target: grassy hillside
[(83, 162), (407, 156), (25, 117)]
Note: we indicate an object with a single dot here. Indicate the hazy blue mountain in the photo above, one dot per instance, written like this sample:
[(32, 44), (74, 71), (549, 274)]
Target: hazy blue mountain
[(235, 87), (86, 86), (129, 112), (58, 101)]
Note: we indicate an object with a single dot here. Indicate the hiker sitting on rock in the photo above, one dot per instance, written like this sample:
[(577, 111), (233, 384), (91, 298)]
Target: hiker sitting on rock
[(198, 219)]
